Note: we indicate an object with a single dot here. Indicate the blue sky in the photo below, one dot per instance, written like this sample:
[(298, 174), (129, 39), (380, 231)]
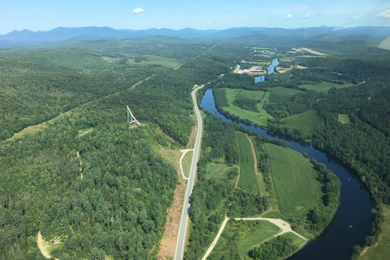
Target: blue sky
[(200, 14)]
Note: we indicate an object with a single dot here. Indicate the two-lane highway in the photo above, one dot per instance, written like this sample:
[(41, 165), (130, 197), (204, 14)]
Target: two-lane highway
[(181, 237)]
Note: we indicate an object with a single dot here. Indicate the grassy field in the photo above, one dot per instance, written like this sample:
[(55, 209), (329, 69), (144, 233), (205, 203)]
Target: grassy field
[(253, 95), (307, 121), (296, 239), (249, 234), (216, 170), (257, 235), (344, 119), (382, 250), (294, 180), (248, 180), (258, 118), (220, 94), (280, 95), (186, 162), (325, 86)]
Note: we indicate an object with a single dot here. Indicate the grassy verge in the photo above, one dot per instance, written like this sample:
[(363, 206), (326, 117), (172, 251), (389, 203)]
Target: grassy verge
[(382, 249), (297, 189), (186, 162), (307, 121), (248, 180)]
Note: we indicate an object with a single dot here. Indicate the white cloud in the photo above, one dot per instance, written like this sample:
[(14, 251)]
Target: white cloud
[(385, 14), (138, 10), (288, 16), (208, 22), (306, 16)]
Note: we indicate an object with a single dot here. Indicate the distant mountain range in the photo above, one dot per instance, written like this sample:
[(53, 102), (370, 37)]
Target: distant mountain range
[(26, 37)]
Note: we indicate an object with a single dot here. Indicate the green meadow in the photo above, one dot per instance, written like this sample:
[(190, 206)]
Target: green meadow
[(248, 180), (325, 86), (257, 118), (297, 189), (307, 121)]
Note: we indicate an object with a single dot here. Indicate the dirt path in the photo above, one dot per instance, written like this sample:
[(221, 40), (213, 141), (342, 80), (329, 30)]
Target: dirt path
[(168, 241), (139, 82), (283, 225), (82, 134), (81, 164), (262, 191), (42, 247), (216, 238), (312, 51), (239, 175)]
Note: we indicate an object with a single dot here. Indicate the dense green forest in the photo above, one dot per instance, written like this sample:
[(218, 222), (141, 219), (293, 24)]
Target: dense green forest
[(85, 179)]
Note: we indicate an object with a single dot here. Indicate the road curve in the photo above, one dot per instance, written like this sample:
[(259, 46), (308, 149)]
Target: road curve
[(181, 236)]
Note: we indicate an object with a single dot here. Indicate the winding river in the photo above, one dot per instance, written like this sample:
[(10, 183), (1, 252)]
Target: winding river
[(353, 220)]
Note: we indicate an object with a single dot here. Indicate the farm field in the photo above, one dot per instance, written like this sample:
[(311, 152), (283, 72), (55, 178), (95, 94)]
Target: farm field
[(186, 162), (325, 86), (382, 250), (257, 118), (344, 119), (280, 95), (250, 234), (220, 96), (297, 189), (248, 180), (307, 121)]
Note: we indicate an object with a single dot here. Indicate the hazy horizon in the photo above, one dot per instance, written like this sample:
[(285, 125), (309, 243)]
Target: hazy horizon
[(43, 15)]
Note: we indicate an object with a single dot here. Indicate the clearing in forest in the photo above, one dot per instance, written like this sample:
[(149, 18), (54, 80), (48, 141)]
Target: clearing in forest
[(343, 118), (325, 86), (307, 121), (248, 179), (295, 181), (250, 234)]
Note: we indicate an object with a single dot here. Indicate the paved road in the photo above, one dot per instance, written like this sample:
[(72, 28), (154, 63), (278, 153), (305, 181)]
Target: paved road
[(181, 237)]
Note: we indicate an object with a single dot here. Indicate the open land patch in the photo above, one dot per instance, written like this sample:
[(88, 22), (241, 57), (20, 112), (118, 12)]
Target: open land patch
[(256, 117), (295, 181), (343, 118), (250, 234), (307, 121), (325, 86), (281, 95), (248, 179), (381, 250)]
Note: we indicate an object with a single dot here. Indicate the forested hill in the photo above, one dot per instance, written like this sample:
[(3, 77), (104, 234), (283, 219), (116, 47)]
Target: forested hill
[(68, 34), (84, 179)]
